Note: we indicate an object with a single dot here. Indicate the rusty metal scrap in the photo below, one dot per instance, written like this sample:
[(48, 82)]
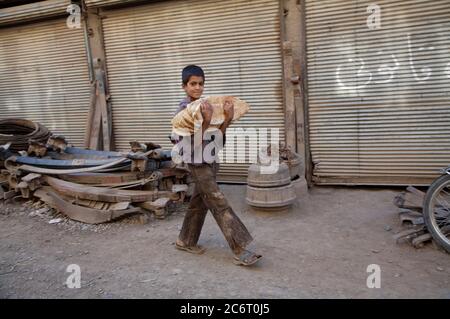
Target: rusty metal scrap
[(19, 132), (94, 186), (102, 194), (10, 164), (94, 178), (154, 177), (80, 213)]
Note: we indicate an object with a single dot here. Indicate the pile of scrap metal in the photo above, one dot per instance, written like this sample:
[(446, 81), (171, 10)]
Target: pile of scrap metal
[(16, 134), (410, 205), (94, 186)]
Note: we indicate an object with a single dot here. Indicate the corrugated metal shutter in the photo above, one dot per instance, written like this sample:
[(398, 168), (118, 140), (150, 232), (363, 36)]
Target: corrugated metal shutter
[(379, 101), (236, 42), (102, 3), (44, 77), (33, 11)]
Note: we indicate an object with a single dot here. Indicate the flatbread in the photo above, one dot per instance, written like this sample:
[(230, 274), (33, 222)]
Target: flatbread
[(187, 121)]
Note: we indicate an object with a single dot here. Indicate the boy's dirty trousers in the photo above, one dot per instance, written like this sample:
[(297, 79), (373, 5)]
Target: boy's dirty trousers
[(207, 195)]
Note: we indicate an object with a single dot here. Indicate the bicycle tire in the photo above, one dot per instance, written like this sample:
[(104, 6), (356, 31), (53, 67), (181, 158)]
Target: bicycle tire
[(428, 211)]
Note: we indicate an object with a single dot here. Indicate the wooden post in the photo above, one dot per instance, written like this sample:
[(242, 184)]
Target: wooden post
[(295, 85), (90, 116), (302, 106), (99, 135), (289, 106)]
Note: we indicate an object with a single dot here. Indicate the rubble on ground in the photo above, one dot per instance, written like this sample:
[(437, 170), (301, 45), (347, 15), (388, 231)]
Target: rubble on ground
[(414, 231)]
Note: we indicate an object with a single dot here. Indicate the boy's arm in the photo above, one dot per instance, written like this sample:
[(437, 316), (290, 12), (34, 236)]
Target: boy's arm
[(206, 110), (228, 110)]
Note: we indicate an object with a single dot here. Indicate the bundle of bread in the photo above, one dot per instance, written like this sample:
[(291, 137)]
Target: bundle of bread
[(190, 119)]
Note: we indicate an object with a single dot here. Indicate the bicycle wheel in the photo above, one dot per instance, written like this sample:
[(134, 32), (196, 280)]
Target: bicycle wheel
[(436, 211)]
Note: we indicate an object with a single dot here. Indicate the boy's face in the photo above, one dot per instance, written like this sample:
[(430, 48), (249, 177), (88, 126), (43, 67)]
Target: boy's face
[(194, 87)]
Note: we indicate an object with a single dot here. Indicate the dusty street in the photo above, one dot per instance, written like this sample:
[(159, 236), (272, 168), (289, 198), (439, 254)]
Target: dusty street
[(318, 249)]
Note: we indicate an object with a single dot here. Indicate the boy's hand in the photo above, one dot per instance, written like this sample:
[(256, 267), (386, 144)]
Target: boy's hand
[(228, 110), (207, 111)]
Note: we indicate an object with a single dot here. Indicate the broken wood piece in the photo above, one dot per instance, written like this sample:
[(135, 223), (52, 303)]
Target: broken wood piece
[(24, 189), (30, 177), (158, 207), (29, 183), (417, 213), (419, 241), (416, 192), (80, 213), (104, 194), (13, 181), (414, 219), (408, 200), (413, 200), (409, 233)]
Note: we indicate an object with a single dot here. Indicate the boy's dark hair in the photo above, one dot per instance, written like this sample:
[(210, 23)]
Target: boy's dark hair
[(191, 70)]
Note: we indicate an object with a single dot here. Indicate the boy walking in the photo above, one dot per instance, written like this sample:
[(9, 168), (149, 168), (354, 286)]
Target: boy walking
[(207, 194)]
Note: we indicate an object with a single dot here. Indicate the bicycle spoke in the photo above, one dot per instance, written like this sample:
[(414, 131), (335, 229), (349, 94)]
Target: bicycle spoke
[(443, 206)]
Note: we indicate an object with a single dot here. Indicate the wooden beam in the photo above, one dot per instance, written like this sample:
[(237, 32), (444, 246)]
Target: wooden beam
[(100, 135), (289, 106), (90, 116), (303, 145), (294, 67)]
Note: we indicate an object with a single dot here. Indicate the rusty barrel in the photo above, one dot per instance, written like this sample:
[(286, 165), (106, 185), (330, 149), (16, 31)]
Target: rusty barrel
[(263, 176), (295, 165), (269, 189)]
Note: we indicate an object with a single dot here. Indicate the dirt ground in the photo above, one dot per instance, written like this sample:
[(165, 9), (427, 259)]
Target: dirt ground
[(320, 248)]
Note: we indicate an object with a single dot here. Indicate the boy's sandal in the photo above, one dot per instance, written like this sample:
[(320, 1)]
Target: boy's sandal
[(246, 258), (198, 250)]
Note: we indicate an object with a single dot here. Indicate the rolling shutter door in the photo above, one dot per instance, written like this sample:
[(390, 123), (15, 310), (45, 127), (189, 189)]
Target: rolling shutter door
[(236, 42), (378, 99), (44, 77)]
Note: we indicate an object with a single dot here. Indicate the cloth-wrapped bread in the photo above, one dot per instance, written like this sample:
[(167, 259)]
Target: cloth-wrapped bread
[(187, 121)]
